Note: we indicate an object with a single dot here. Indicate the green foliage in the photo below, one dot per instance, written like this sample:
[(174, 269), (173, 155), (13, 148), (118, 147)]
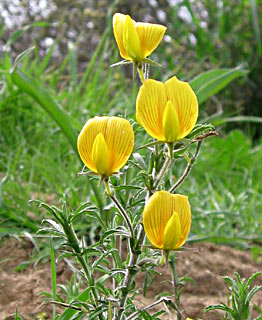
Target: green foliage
[(45, 106), (241, 294), (211, 82), (28, 85), (17, 317), (226, 199)]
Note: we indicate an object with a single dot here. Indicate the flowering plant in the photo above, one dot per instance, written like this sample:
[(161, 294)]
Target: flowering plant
[(148, 224)]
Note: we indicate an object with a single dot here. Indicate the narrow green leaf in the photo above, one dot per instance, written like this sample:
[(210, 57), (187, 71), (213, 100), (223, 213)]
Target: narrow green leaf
[(69, 313), (252, 278), (22, 56), (72, 65), (140, 160), (7, 66), (221, 306), (219, 122), (54, 224), (14, 36), (2, 29), (17, 317), (31, 87), (11, 214), (128, 187), (255, 22), (123, 62), (99, 51), (252, 293), (211, 82), (46, 59), (22, 266)]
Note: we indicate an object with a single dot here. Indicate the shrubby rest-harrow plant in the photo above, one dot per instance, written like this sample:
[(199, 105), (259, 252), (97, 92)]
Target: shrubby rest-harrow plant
[(147, 221)]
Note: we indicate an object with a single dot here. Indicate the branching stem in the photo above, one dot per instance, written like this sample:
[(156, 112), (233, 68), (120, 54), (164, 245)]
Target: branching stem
[(121, 209), (188, 168), (166, 164), (163, 299)]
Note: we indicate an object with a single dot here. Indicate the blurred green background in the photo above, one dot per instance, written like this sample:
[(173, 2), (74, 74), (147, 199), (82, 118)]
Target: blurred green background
[(70, 64)]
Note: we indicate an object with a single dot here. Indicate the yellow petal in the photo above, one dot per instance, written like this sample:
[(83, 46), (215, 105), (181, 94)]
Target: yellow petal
[(119, 136), (150, 105), (172, 232), (131, 40), (118, 28), (150, 36), (185, 102), (100, 156), (182, 207), (87, 137), (156, 215), (170, 123)]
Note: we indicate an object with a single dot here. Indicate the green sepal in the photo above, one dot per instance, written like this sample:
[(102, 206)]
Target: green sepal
[(120, 63), (152, 63)]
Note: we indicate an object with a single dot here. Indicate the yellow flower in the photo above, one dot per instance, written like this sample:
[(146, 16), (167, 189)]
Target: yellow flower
[(167, 220), (136, 40), (167, 111), (105, 144)]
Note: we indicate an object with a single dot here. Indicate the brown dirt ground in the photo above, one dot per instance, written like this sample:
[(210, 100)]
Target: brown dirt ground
[(206, 263)]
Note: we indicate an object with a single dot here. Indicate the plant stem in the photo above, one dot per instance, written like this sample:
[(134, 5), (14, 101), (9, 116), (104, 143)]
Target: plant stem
[(162, 172), (129, 276), (176, 286), (141, 74), (121, 209), (188, 168), (74, 242), (163, 299)]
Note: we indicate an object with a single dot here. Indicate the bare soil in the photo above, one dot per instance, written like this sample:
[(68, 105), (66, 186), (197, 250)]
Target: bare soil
[(204, 262)]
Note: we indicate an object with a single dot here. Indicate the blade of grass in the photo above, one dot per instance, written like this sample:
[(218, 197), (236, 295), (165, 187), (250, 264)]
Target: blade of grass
[(91, 64), (31, 87), (72, 65), (46, 59), (211, 82), (254, 13), (18, 33), (238, 119)]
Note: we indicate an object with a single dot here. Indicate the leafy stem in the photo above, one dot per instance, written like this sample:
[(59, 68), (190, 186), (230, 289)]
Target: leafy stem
[(121, 209), (74, 243), (131, 271)]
